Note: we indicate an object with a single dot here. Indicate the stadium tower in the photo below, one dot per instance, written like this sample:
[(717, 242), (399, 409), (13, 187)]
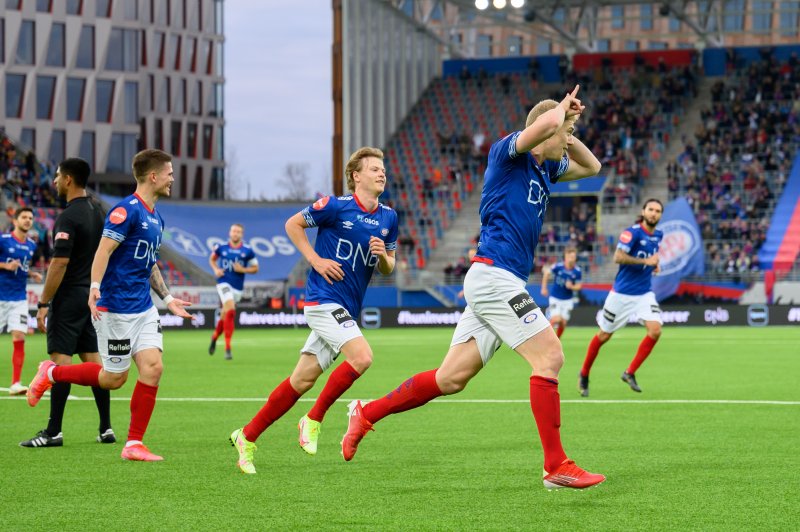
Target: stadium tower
[(102, 79)]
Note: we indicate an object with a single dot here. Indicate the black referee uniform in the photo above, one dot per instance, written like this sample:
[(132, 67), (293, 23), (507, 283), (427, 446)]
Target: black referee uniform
[(76, 235)]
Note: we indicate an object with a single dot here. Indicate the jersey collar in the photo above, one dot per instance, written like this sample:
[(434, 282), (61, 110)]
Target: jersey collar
[(144, 204), (23, 241), (645, 229), (361, 205), (236, 246)]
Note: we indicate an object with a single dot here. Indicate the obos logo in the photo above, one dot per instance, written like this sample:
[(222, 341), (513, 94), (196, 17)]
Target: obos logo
[(681, 241)]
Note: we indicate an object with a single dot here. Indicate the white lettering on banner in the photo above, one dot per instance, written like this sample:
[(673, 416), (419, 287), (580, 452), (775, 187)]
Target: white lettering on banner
[(669, 316), (716, 315), (367, 258), (428, 318), (146, 250), (171, 320), (280, 318), (263, 247), (794, 315)]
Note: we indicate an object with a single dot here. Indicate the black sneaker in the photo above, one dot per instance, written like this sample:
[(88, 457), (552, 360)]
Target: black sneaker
[(228, 355), (107, 436), (630, 380), (43, 439), (212, 346), (583, 385)]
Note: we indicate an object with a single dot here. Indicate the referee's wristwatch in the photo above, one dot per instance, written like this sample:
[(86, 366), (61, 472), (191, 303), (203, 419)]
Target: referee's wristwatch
[(43, 305)]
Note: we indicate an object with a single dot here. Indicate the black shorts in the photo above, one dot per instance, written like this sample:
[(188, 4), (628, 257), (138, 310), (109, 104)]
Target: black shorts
[(69, 323)]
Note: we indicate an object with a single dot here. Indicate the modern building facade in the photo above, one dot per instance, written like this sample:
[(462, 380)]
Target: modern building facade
[(102, 79)]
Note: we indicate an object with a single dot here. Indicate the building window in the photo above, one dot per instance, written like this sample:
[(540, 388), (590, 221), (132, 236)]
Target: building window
[(44, 6), (762, 16), (123, 50), (790, 18), (603, 45), (646, 14), (657, 45), (514, 45), (674, 24), (55, 48), (191, 140), (159, 134), (210, 58), (28, 138), (180, 98), (130, 10), (733, 15), (184, 181), (14, 4), (217, 183), (121, 151), (160, 39), (131, 102), (85, 57), (219, 10), (74, 7), (175, 136), (26, 44), (198, 183), (75, 92), (86, 148), (104, 98), (45, 89), (179, 15), (162, 12), (484, 45), (175, 51), (2, 40), (617, 17), (543, 46), (165, 96), (208, 141), (631, 45), (103, 8), (58, 145), (197, 97), (215, 100), (15, 86)]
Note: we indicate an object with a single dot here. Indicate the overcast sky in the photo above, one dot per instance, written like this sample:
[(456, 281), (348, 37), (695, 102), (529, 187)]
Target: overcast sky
[(278, 107)]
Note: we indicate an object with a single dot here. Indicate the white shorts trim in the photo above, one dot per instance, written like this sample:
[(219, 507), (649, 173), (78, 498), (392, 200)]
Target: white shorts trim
[(500, 310), (14, 315), (560, 307), (331, 327), (228, 293), (122, 336), (621, 309)]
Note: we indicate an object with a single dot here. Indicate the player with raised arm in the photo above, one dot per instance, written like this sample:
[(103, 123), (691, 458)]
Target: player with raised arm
[(356, 235), (127, 323), (230, 262), (16, 253), (566, 277), (631, 295), (521, 168)]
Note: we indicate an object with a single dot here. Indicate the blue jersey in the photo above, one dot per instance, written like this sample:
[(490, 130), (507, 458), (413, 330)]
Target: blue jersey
[(126, 284), (634, 279), (12, 284), (516, 190), (227, 255), (560, 277), (345, 228)]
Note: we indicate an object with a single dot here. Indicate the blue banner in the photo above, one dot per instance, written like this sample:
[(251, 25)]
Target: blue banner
[(193, 230), (681, 252)]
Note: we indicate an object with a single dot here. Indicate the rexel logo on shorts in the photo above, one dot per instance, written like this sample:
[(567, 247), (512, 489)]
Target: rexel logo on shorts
[(119, 347), (343, 317), (523, 304)]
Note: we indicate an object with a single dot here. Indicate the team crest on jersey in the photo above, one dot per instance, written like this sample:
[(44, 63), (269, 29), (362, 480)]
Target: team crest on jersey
[(118, 215), (384, 232), (626, 237), (320, 203)]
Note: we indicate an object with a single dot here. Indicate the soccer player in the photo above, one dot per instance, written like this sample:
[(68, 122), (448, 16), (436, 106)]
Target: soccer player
[(127, 324), (357, 234), (69, 329), (566, 280), (521, 167), (16, 252), (230, 262), (631, 295)]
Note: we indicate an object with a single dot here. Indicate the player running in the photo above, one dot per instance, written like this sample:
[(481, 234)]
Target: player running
[(357, 234), (230, 262), (631, 295), (516, 191), (566, 277)]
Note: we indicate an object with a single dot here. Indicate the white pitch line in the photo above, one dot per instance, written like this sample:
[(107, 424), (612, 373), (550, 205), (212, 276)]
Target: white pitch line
[(477, 401)]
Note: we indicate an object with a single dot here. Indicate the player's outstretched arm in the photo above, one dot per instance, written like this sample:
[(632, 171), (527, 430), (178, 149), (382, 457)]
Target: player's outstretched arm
[(176, 306), (582, 162)]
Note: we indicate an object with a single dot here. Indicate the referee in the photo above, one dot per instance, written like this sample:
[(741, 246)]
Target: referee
[(76, 235)]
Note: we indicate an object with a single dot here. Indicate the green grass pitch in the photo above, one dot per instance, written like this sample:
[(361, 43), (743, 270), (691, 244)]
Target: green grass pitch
[(711, 444)]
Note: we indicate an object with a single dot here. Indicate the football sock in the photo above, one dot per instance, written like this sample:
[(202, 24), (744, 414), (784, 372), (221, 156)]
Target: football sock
[(17, 358), (102, 398), (413, 393), (58, 402), (279, 402), (546, 407), (641, 354), (591, 354), (230, 319), (339, 382), (560, 330), (219, 328), (85, 374), (143, 401)]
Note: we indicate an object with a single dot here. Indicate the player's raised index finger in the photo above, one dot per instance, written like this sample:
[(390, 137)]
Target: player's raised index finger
[(575, 90)]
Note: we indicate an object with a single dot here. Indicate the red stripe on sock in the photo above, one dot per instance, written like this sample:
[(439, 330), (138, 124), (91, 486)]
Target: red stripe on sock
[(85, 374), (230, 325), (279, 402), (17, 359), (413, 393), (143, 402), (641, 354), (546, 407), (341, 379), (591, 354)]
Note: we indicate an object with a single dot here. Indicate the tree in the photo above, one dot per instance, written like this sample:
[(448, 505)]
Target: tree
[(295, 182)]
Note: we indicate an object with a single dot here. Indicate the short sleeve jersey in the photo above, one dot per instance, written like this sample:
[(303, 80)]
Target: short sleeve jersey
[(76, 235), (126, 284), (227, 255), (12, 284), (516, 191), (345, 228), (635, 279), (561, 275)]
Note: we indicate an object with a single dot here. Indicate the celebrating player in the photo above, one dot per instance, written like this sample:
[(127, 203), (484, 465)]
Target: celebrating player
[(230, 262), (357, 234), (69, 329), (16, 252), (126, 320), (631, 295), (566, 281), (516, 191)]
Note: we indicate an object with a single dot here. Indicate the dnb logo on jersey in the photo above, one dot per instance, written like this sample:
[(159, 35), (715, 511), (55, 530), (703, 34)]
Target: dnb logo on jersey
[(523, 306), (680, 243)]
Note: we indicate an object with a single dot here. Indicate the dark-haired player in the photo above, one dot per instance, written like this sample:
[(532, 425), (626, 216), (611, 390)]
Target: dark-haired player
[(566, 277)]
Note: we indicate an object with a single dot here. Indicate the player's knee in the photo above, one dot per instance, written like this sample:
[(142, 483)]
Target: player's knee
[(152, 370), (450, 384), (654, 332), (554, 358), (361, 361), (603, 337), (113, 381)]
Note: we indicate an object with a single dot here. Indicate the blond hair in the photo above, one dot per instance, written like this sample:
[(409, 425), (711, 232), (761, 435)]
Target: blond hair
[(355, 164), (539, 109), (147, 161)]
